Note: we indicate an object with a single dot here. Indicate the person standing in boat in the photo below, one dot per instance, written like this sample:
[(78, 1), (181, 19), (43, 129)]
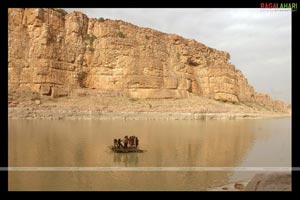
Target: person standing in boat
[(126, 142), (115, 143), (136, 142), (133, 141), (130, 141), (119, 143)]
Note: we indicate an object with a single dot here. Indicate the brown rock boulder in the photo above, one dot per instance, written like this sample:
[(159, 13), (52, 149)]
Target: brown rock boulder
[(274, 181)]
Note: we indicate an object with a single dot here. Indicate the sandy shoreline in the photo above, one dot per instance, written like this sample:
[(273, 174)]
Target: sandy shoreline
[(71, 114), (91, 106)]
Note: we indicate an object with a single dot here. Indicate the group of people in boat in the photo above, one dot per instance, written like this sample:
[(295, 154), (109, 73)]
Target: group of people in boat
[(131, 141)]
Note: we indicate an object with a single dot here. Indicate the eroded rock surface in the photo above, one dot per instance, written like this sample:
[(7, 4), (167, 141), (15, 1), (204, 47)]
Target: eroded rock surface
[(52, 53), (275, 181)]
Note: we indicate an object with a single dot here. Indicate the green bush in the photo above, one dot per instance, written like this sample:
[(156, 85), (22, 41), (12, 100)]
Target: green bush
[(133, 99), (121, 34), (89, 38), (208, 62), (89, 48), (228, 56), (61, 11), (81, 77), (101, 19)]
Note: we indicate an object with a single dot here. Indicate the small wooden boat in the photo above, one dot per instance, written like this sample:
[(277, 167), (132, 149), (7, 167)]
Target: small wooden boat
[(127, 150)]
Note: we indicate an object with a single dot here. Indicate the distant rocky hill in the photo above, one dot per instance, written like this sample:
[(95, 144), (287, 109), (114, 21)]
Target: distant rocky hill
[(52, 53)]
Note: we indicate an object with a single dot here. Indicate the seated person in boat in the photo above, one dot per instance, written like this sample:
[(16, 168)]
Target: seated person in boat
[(126, 142)]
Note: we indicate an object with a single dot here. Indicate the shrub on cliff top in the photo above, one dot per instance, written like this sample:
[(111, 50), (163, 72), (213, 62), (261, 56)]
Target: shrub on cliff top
[(101, 19), (61, 11), (210, 49), (228, 56)]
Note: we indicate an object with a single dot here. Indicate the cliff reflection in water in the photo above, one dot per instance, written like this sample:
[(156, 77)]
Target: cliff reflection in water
[(216, 143)]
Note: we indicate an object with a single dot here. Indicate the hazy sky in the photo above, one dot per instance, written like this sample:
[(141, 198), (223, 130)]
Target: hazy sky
[(259, 41)]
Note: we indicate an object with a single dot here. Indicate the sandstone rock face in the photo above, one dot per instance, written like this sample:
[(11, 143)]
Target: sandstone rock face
[(270, 182), (49, 49)]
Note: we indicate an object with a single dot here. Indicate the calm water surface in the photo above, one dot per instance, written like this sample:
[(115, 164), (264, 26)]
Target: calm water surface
[(215, 143)]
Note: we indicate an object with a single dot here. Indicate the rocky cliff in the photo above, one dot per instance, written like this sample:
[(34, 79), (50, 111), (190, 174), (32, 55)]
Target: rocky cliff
[(51, 52)]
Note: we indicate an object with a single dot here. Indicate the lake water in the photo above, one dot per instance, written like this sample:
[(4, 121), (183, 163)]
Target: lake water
[(84, 143)]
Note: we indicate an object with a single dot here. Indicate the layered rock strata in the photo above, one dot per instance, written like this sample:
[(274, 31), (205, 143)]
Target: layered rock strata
[(51, 52)]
